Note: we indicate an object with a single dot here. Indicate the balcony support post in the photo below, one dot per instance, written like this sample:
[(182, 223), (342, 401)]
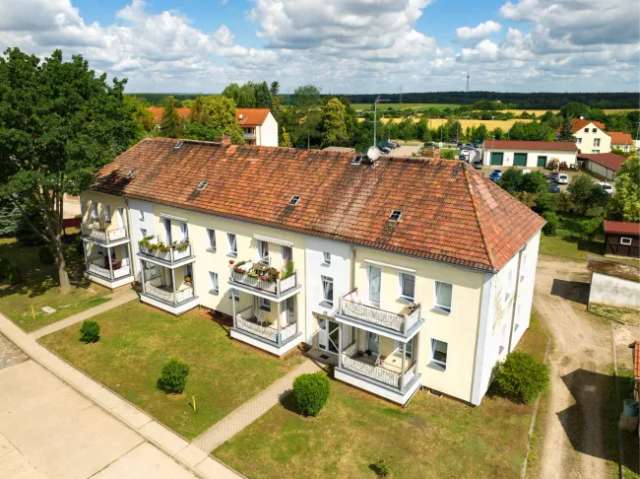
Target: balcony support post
[(144, 286), (339, 345), (233, 306), (110, 264), (404, 353), (279, 325), (173, 284)]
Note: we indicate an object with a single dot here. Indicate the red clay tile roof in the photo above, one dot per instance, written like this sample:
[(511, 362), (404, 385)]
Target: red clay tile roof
[(450, 212), (620, 138), (251, 116), (622, 227), (158, 111), (529, 145), (579, 124), (608, 160)]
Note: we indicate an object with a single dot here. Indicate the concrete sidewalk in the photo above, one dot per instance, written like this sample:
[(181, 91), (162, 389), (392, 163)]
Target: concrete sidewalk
[(188, 455), (251, 410), (118, 298)]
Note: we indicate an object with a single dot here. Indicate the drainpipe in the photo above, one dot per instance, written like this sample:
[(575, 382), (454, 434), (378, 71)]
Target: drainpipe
[(515, 299)]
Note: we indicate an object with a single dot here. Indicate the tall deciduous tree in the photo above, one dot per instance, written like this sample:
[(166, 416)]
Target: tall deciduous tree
[(334, 123), (171, 123), (211, 118), (59, 122), (626, 199)]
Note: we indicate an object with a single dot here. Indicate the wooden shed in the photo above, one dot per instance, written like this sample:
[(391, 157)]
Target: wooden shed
[(622, 238)]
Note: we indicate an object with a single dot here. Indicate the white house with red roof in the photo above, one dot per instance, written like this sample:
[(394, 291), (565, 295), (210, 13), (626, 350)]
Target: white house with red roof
[(529, 153), (258, 125), (590, 136)]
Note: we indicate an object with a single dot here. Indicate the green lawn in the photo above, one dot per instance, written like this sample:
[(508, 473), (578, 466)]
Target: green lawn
[(432, 437), (568, 244), (23, 302), (137, 340)]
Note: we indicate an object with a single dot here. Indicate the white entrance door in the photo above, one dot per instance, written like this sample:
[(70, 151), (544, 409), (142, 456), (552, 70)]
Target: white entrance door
[(328, 335)]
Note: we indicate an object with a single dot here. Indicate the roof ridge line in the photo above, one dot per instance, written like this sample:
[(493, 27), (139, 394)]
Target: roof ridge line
[(465, 169)]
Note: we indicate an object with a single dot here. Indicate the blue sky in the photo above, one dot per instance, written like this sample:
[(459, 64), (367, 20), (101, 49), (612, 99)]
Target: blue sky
[(343, 46)]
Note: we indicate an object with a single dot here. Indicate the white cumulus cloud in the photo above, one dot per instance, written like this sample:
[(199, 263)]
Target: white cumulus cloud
[(481, 30)]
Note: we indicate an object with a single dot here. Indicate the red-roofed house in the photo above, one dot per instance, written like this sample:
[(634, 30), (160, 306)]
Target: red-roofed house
[(402, 272), (621, 140), (529, 153), (590, 136), (622, 238), (604, 165), (258, 124)]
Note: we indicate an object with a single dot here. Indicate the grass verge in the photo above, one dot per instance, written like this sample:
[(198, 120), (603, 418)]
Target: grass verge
[(137, 340)]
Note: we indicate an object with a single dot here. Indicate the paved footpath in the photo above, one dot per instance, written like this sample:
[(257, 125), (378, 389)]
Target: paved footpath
[(119, 298), (138, 423), (251, 410)]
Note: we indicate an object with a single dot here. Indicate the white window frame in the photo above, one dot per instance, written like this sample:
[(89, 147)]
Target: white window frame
[(326, 258), (438, 362), (232, 242), (626, 240), (401, 278), (215, 283), (106, 214), (579, 140), (287, 253), (596, 142), (440, 307), (326, 280), (263, 250), (211, 236)]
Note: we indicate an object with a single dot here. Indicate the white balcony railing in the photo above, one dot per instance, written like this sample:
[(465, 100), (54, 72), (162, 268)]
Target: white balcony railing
[(103, 235), (379, 373), (352, 306), (268, 332), (166, 296), (276, 287), (120, 272), (170, 255)]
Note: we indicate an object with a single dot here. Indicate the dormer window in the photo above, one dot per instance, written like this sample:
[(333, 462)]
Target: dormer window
[(202, 185), (395, 215), (357, 160), (178, 144), (295, 199)]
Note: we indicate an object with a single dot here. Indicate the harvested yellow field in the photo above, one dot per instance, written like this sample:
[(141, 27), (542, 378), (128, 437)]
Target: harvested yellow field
[(542, 112), (490, 124)]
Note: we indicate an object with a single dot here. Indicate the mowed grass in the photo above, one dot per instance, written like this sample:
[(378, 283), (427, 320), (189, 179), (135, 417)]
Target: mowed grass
[(39, 287), (567, 243), (137, 340), (432, 437)]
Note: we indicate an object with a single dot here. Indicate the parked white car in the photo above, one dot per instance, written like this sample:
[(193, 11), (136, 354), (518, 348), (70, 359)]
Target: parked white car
[(563, 179), (609, 189)]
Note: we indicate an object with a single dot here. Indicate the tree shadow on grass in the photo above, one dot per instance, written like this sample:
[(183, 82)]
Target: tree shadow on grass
[(288, 401), (589, 246), (591, 423)]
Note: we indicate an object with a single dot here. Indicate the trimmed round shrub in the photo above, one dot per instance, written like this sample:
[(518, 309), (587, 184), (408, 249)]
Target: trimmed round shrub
[(45, 255), (174, 377), (521, 378), (90, 332), (551, 227), (311, 392)]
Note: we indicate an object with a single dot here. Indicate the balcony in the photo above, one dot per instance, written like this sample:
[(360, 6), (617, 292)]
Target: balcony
[(403, 323), (393, 377), (171, 254), (263, 280), (276, 334), (104, 234)]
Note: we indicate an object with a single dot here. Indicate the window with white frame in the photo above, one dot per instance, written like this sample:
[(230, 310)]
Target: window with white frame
[(408, 349), (263, 250), (326, 258), (211, 236), (593, 130), (626, 241), (327, 290), (407, 286), (596, 142), (579, 140), (586, 130), (439, 353), (106, 214), (265, 304), (233, 245), (215, 286), (287, 254), (443, 296), (93, 214)]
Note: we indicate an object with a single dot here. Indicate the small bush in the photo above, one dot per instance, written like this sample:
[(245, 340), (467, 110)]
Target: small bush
[(380, 468), (553, 221), (311, 392), (45, 255), (521, 378), (174, 377), (90, 332), (9, 273)]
